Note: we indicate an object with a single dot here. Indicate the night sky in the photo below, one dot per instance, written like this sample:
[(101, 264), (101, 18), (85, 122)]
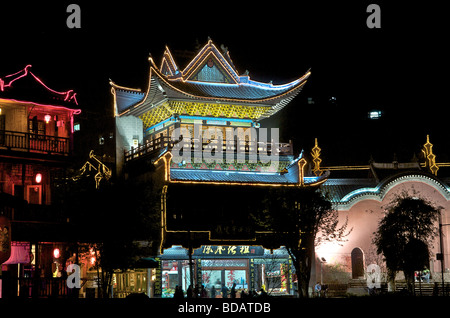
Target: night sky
[(400, 69)]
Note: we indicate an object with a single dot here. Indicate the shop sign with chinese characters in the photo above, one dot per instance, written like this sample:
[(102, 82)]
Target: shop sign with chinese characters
[(229, 250)]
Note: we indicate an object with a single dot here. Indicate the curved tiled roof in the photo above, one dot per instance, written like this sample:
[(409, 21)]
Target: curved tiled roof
[(21, 85), (243, 91), (224, 85)]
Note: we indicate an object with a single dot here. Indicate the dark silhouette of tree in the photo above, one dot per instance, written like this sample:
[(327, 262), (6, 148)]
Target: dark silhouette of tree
[(300, 218), (120, 221), (408, 224)]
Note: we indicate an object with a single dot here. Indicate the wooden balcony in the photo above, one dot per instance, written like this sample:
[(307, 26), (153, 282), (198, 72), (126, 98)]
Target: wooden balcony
[(30, 142)]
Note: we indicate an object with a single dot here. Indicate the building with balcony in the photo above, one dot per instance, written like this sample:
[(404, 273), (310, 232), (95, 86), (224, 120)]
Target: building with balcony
[(36, 145)]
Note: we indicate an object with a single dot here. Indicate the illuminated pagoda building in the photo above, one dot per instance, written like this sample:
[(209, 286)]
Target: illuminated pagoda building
[(196, 131), (36, 141), (207, 101)]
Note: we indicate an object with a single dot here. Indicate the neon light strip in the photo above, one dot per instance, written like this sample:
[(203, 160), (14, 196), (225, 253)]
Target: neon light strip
[(153, 68), (300, 82), (208, 49), (68, 96), (217, 118), (252, 84), (171, 61), (56, 92), (218, 59), (138, 90), (167, 158), (359, 191), (74, 111), (25, 70)]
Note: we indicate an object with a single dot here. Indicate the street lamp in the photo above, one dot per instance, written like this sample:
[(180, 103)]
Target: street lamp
[(322, 261)]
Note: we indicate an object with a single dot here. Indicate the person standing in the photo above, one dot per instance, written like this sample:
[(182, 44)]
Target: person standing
[(233, 291), (189, 292), (318, 289), (178, 293), (224, 291), (203, 292)]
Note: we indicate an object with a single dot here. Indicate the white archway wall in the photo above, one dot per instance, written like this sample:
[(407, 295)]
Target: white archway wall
[(378, 193), (366, 210)]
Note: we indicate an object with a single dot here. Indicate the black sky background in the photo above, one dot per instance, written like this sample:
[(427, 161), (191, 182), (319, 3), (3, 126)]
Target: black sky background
[(400, 69)]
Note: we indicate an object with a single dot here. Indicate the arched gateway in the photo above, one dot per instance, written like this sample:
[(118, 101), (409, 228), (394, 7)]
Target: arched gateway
[(357, 256)]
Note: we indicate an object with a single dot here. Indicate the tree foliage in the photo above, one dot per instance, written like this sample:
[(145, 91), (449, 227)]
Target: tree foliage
[(408, 224), (301, 218), (119, 219)]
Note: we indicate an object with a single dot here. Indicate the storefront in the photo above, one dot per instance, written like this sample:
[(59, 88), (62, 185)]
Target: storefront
[(132, 281), (214, 267)]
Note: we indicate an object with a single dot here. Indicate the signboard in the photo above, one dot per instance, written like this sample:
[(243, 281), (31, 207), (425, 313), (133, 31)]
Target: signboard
[(224, 231), (158, 279), (5, 239), (199, 272), (252, 274), (229, 251)]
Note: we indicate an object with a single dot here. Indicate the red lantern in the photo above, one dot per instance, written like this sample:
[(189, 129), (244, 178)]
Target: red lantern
[(56, 253), (5, 239), (38, 178)]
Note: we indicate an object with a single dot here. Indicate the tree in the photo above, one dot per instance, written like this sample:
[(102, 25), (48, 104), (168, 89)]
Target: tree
[(119, 219), (408, 223), (300, 218)]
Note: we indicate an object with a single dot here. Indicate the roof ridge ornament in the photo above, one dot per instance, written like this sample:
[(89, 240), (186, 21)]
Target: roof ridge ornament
[(315, 153), (430, 157)]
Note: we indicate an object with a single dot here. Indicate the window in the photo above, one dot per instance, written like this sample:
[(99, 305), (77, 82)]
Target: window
[(76, 127), (36, 126), (375, 114)]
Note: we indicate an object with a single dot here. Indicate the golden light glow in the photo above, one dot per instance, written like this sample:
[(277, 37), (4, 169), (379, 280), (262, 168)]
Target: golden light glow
[(363, 167), (166, 158), (330, 251), (301, 165), (103, 172), (315, 153), (156, 115), (203, 55), (301, 81), (164, 229), (114, 85), (430, 157), (218, 110), (168, 60), (167, 109)]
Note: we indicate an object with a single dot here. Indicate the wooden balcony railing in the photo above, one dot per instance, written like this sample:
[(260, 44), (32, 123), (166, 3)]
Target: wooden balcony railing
[(30, 142)]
